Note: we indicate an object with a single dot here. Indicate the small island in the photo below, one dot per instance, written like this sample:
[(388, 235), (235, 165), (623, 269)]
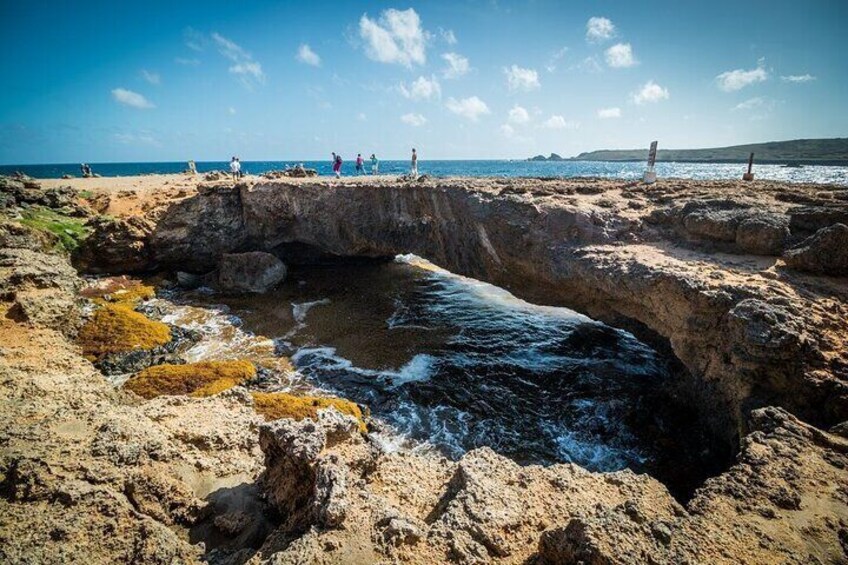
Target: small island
[(553, 157)]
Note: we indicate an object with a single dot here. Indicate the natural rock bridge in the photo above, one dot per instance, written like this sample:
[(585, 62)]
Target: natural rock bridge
[(666, 262)]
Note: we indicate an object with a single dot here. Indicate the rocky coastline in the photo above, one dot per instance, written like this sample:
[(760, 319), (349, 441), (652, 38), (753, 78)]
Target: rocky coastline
[(744, 284)]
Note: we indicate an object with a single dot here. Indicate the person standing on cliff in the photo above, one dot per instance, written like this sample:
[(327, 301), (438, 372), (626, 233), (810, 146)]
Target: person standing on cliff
[(360, 164), (337, 165), (414, 171), (374, 164), (235, 168)]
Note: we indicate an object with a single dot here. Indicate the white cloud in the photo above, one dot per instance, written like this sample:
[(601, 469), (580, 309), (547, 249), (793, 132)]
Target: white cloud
[(558, 122), (422, 89), (552, 63), (130, 98), (607, 113), (448, 36), (518, 115), (507, 130), (457, 65), (151, 77), (737, 79), (749, 104), (244, 66), (397, 37), (471, 108), (590, 65), (650, 92), (306, 55), (599, 29), (620, 56), (187, 62), (415, 120), (193, 39), (142, 138), (798, 78), (519, 78)]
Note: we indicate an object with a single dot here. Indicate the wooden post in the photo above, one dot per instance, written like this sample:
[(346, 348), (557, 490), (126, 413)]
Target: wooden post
[(749, 175)]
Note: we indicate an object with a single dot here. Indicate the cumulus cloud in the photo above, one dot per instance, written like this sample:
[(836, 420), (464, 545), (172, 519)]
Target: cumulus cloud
[(397, 37), (151, 77), (798, 78), (457, 65), (650, 92), (558, 122), (470, 108), (518, 78), (415, 120), (620, 56), (607, 113), (130, 98), (599, 29), (307, 56), (422, 89), (448, 36), (244, 66), (518, 115), (737, 79)]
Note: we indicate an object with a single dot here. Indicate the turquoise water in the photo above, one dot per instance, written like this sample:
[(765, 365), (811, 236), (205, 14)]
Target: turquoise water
[(497, 168)]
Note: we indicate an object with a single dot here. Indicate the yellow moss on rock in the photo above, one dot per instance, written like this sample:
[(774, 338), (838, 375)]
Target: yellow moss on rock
[(120, 290), (194, 379), (116, 328), (277, 405)]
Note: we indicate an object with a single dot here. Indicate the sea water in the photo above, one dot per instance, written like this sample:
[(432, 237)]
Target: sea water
[(447, 364), (480, 168)]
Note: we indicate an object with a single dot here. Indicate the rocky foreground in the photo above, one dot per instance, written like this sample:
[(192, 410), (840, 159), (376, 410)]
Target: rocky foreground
[(743, 283)]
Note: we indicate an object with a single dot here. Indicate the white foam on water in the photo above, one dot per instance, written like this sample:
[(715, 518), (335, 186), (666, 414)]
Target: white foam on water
[(299, 310), (419, 368), (489, 293), (222, 338)]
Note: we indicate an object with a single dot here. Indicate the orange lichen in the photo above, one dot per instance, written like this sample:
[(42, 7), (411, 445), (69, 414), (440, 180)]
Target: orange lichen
[(116, 328), (276, 405), (194, 379)]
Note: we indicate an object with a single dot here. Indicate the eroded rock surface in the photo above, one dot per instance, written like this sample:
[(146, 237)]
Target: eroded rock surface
[(89, 474), (676, 259)]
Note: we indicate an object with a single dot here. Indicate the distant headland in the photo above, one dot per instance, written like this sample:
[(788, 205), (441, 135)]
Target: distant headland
[(797, 151)]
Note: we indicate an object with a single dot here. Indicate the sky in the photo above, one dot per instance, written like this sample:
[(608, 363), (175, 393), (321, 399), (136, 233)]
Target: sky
[(461, 79)]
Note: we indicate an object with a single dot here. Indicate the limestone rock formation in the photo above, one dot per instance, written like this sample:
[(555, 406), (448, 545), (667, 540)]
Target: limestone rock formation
[(116, 246), (254, 271), (824, 252), (632, 256)]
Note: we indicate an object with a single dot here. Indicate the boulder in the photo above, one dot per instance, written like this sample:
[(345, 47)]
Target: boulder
[(763, 234), (825, 252), (255, 271)]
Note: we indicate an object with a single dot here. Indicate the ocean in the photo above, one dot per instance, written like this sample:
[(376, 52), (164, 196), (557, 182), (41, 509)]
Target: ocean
[(447, 364), (478, 168)]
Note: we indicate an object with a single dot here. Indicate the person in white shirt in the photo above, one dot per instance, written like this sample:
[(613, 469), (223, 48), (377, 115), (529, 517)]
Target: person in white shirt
[(414, 171), (235, 168)]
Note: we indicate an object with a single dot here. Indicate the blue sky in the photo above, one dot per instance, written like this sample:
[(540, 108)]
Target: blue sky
[(151, 81)]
